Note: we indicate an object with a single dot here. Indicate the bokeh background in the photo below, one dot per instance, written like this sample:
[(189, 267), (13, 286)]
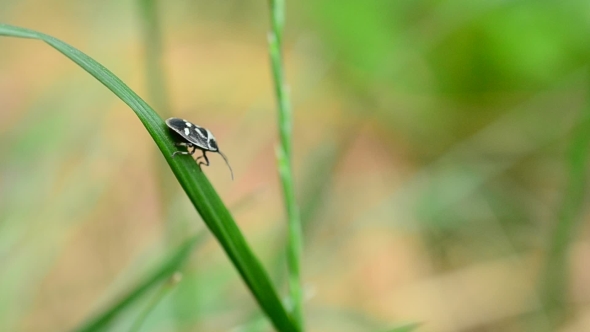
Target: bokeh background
[(440, 157)]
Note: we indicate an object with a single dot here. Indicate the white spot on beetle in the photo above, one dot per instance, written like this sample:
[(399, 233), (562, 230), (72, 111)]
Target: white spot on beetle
[(186, 131), (199, 131), (188, 124)]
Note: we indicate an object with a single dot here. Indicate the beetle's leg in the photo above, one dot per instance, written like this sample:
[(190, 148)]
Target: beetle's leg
[(179, 152), (188, 146), (206, 159), (194, 149)]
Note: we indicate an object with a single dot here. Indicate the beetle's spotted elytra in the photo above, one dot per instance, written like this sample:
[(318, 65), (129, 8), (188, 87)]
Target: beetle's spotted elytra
[(195, 137)]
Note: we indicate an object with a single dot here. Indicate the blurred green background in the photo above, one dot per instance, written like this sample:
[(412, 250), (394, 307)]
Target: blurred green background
[(440, 152)]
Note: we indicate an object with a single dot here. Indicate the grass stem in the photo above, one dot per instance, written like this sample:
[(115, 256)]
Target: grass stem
[(284, 153), (153, 50), (158, 297)]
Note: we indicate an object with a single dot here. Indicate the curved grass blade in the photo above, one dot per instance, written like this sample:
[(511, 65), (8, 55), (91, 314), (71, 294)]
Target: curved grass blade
[(189, 175), (162, 292), (102, 321)]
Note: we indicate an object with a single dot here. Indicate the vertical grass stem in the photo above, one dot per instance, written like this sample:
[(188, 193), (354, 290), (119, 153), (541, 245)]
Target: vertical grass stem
[(284, 153)]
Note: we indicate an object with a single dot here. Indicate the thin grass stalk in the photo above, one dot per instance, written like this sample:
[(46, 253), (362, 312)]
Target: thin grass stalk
[(153, 50), (103, 320), (284, 153), (158, 297), (158, 95)]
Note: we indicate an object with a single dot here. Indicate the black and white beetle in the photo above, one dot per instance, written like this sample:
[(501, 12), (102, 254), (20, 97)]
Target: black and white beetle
[(195, 137)]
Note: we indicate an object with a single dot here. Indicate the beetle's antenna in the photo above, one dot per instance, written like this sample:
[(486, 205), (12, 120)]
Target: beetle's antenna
[(227, 162)]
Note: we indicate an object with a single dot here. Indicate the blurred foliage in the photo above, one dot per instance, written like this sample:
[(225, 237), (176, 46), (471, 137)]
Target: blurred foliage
[(432, 158)]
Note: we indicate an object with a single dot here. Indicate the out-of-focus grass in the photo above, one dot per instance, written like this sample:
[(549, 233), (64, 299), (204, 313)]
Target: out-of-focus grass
[(153, 43), (52, 216), (554, 281), (437, 210), (163, 273)]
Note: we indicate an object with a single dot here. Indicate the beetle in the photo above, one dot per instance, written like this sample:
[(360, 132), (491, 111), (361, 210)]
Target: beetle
[(195, 137)]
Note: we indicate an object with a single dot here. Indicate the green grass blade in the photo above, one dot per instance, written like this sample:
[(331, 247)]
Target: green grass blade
[(102, 321), (159, 296), (284, 153), (189, 175)]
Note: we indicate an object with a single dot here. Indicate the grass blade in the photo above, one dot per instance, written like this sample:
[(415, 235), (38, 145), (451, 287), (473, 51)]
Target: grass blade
[(284, 153), (163, 291), (189, 175), (171, 265)]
